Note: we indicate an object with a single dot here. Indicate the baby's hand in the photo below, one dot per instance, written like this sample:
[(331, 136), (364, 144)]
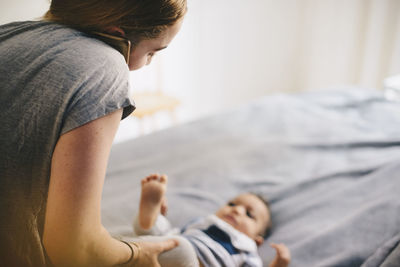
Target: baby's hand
[(282, 258)]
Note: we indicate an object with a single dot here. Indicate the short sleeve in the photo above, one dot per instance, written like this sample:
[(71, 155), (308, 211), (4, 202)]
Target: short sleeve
[(99, 87)]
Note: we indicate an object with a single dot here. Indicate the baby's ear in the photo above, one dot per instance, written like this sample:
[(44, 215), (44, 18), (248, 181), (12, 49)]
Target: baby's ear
[(259, 240)]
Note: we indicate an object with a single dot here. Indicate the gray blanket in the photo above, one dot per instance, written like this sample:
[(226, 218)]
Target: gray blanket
[(328, 162)]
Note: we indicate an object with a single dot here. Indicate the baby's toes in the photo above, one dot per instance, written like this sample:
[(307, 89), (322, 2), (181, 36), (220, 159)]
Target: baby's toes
[(163, 179), (152, 177)]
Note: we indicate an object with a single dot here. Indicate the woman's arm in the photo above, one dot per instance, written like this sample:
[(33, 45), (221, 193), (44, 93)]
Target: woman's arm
[(73, 233)]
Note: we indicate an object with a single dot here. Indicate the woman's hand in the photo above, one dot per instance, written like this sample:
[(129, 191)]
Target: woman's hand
[(282, 258), (149, 251)]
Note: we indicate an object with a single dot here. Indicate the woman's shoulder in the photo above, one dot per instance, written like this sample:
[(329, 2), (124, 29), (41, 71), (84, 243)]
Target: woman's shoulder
[(59, 47), (83, 53)]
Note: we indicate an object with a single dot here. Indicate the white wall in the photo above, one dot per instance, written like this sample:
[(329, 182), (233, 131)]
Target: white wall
[(231, 51), (22, 9)]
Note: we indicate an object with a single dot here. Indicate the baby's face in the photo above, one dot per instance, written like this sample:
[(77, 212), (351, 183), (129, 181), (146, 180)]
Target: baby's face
[(248, 214)]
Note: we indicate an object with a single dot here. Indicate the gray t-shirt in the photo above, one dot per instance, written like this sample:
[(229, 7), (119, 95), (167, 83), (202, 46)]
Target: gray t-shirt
[(52, 79)]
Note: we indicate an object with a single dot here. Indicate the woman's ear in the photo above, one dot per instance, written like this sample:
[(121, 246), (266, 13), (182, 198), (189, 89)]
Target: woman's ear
[(114, 30), (259, 240)]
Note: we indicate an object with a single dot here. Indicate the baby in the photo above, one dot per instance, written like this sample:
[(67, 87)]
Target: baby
[(228, 238)]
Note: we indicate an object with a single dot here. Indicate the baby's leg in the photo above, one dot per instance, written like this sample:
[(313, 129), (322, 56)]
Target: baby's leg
[(183, 255), (161, 227), (151, 225), (150, 219), (152, 200)]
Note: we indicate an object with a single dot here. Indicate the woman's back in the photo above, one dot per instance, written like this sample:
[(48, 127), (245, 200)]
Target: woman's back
[(52, 81)]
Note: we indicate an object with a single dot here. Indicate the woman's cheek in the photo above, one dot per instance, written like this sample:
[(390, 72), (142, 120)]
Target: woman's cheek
[(137, 63)]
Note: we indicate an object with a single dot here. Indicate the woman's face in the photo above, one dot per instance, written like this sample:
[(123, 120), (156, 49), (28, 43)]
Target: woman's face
[(142, 53)]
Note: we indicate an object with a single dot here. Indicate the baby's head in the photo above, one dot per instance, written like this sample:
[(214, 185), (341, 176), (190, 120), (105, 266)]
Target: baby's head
[(249, 214)]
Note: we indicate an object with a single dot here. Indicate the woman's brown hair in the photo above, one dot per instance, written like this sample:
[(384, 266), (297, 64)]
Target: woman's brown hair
[(140, 19)]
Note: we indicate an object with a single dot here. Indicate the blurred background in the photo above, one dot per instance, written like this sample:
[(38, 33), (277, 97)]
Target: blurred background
[(230, 52)]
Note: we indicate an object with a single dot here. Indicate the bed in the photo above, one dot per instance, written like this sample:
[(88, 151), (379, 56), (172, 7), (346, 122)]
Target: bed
[(328, 162)]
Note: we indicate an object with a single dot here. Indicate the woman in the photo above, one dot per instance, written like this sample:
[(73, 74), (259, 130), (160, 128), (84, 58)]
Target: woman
[(63, 91)]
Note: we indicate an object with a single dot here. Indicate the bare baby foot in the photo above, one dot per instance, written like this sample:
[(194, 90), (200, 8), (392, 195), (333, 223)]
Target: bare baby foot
[(152, 200)]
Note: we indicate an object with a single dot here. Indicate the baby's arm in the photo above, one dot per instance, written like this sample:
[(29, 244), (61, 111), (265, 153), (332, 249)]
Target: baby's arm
[(282, 258)]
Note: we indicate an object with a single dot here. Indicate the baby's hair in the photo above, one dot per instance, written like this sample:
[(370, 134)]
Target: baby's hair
[(268, 228)]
